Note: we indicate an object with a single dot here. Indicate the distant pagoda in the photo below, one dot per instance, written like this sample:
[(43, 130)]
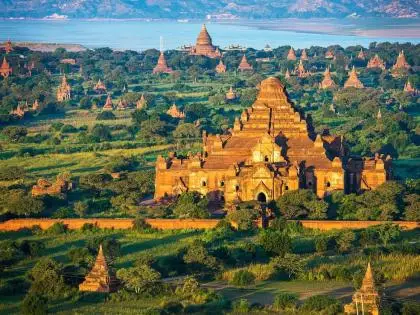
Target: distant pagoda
[(5, 69), (401, 66), (287, 74), (174, 112), (100, 278), (220, 68), (244, 65), (122, 105), (162, 66), (327, 82), (379, 114), (408, 88), (231, 94), (376, 62), (304, 55), (329, 54), (100, 87), (353, 80), (300, 70), (35, 106), (64, 90), (361, 55), (291, 54), (108, 104), (367, 299), (204, 45), (19, 112), (8, 47), (141, 103)]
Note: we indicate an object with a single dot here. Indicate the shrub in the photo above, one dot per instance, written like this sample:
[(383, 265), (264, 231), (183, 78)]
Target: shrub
[(15, 134), (243, 278), (241, 306), (410, 308), (275, 242), (32, 248), (318, 303), (192, 205), (34, 304), (285, 301), (11, 173), (57, 228), (80, 208), (68, 129), (90, 227), (244, 218), (140, 224), (345, 240), (63, 212)]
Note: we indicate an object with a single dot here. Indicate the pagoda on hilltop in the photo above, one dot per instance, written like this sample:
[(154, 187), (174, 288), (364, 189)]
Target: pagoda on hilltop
[(174, 112), (409, 88), (367, 299), (231, 94), (271, 149), (304, 55), (300, 70), (5, 69), (353, 80), (220, 68), (401, 66), (204, 45), (64, 90), (376, 62), (327, 82), (8, 47), (108, 104), (361, 55), (162, 66), (244, 65), (100, 278), (291, 54), (329, 54), (141, 103), (100, 87)]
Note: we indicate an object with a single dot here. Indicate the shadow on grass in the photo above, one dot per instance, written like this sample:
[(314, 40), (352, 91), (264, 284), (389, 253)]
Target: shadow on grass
[(70, 306)]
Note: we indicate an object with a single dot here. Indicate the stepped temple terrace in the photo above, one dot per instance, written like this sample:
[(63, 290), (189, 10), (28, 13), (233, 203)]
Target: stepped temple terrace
[(64, 90), (99, 279), (367, 299), (271, 149), (204, 45), (161, 66)]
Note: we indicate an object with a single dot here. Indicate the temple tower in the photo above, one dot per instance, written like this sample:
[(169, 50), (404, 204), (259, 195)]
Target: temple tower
[(108, 104), (409, 88), (8, 47), (361, 54), (244, 65), (204, 45), (304, 55), (366, 300), (327, 82), (5, 69), (100, 87), (353, 80), (161, 66), (174, 112), (231, 94), (220, 68), (141, 103), (64, 90), (401, 66), (291, 54), (376, 62), (99, 279)]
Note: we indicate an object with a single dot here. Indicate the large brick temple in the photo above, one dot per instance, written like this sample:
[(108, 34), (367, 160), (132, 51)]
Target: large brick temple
[(270, 150)]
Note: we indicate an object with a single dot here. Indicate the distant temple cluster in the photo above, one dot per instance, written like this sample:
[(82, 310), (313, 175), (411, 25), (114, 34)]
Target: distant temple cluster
[(270, 150)]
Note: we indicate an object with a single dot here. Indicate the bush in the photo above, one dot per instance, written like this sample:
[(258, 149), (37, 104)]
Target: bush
[(15, 134), (284, 301), (243, 278), (90, 227), (63, 212), (275, 242), (32, 248), (321, 244), (57, 228), (34, 304), (244, 218), (192, 205), (322, 303), (411, 308), (11, 173), (68, 129), (140, 224), (241, 306)]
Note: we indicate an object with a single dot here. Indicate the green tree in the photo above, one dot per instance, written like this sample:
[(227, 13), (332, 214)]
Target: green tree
[(345, 240), (285, 301), (302, 203), (198, 255), (81, 208), (15, 134), (244, 218), (388, 232), (275, 242), (243, 278), (34, 304), (140, 279), (191, 205)]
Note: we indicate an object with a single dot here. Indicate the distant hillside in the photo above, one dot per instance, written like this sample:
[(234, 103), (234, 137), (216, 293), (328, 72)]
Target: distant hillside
[(255, 9)]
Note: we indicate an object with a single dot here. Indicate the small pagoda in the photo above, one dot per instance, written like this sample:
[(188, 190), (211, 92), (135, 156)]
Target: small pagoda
[(300, 70), (329, 54), (174, 112), (376, 62), (327, 82), (231, 94), (204, 45), (220, 68), (122, 105), (244, 65), (367, 299), (379, 114), (291, 54), (141, 103), (353, 80), (162, 66), (401, 66), (35, 106), (287, 74), (100, 278), (100, 87), (5, 69), (18, 112), (361, 55), (108, 104), (64, 90), (304, 55), (8, 47), (408, 88)]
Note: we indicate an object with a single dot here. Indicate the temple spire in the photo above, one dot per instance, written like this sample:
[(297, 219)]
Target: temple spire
[(291, 54), (220, 68), (244, 65), (161, 66), (353, 80)]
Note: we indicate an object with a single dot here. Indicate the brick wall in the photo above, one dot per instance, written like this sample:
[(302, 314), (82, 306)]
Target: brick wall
[(176, 224)]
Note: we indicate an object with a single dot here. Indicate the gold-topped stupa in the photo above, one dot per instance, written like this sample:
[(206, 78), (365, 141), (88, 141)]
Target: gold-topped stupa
[(327, 82), (353, 80), (161, 66), (231, 94), (5, 69), (204, 45), (108, 104), (291, 54), (220, 68), (376, 62), (244, 65)]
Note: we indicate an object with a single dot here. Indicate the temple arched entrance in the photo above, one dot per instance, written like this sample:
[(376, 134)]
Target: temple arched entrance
[(261, 197)]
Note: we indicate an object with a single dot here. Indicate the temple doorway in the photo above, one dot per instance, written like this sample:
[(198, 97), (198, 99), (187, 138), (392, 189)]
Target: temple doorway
[(261, 197)]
